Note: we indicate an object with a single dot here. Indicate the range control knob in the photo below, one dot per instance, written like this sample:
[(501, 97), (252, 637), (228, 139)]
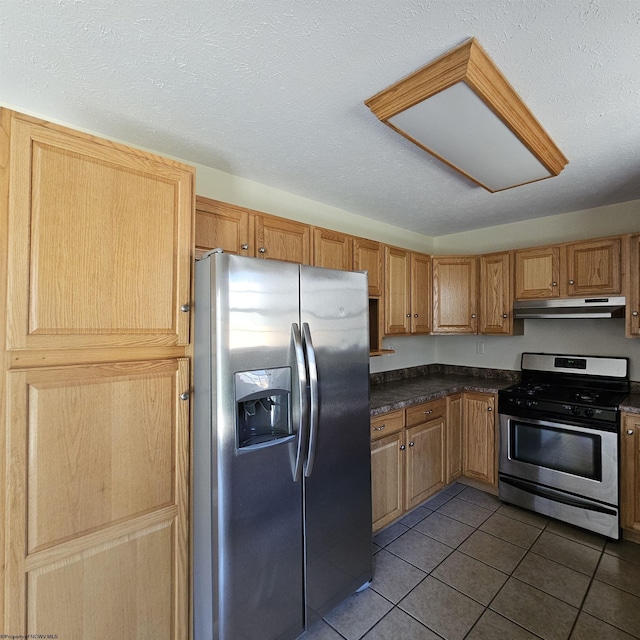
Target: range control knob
[(588, 412), (575, 411)]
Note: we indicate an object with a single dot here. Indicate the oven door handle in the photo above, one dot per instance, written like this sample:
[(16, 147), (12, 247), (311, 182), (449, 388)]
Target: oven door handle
[(556, 496)]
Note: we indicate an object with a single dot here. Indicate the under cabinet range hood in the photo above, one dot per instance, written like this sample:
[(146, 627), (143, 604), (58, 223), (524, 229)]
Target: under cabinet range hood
[(612, 307)]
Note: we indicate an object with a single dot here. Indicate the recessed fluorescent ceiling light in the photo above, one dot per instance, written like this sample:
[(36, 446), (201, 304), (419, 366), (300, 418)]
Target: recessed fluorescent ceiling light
[(461, 109)]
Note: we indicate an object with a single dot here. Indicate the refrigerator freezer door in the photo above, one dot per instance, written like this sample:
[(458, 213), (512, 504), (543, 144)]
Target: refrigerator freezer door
[(335, 306), (253, 504)]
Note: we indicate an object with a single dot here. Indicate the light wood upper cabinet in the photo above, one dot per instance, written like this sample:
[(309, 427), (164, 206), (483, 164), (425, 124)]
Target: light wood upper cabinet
[(421, 286), (100, 251), (98, 474), (368, 256), (397, 292), (496, 294), (630, 473), (332, 250), (587, 268), (455, 294), (537, 273), (407, 292), (280, 239), (593, 267), (224, 226), (479, 436), (632, 277)]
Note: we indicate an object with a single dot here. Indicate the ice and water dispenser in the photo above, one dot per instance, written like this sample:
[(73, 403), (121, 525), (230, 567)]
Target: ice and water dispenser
[(262, 406)]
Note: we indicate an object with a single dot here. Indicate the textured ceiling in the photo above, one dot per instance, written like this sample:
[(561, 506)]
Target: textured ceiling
[(273, 91)]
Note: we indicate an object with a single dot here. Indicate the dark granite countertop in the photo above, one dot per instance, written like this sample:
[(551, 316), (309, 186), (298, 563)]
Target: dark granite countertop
[(631, 404), (399, 394)]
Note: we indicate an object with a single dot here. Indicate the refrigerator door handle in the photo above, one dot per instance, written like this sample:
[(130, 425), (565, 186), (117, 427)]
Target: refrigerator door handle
[(313, 387), (303, 426)]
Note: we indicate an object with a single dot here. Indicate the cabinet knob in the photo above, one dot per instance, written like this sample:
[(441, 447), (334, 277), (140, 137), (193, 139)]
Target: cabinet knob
[(629, 432), (489, 408), (408, 315), (415, 315), (634, 314), (473, 315), (411, 444), (380, 428), (426, 413), (504, 315), (244, 246), (570, 281), (402, 447), (262, 250), (184, 395), (554, 284), (185, 308)]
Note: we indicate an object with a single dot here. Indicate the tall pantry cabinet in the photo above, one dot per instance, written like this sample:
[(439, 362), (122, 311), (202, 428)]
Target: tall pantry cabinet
[(96, 296)]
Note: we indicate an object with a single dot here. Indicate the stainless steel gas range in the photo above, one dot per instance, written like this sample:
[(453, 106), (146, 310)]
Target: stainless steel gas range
[(559, 439)]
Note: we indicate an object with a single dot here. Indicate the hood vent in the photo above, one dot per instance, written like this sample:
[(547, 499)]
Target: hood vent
[(570, 308)]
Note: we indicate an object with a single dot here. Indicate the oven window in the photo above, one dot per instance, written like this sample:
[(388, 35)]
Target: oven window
[(578, 453)]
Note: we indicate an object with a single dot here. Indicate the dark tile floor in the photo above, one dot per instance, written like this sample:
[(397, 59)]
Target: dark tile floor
[(465, 565)]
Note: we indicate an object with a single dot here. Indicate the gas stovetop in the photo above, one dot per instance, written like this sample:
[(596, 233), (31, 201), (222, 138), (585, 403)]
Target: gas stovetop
[(584, 388)]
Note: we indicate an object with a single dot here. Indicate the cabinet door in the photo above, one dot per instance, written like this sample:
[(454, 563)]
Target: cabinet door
[(425, 463), (368, 256), (537, 273), (97, 516), (332, 250), (387, 479), (421, 285), (633, 287), (454, 437), (397, 273), (100, 251), (630, 473), (280, 239), (496, 297), (479, 436), (454, 294), (224, 226), (594, 268)]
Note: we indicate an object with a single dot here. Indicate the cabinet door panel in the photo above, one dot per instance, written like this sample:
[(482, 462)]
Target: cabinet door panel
[(593, 268), (280, 239), (454, 437), (219, 225), (397, 291), (421, 286), (630, 473), (387, 481), (368, 256), (479, 436), (633, 287), (454, 294), (425, 461), (100, 252), (538, 273), (98, 458), (332, 250), (496, 298)]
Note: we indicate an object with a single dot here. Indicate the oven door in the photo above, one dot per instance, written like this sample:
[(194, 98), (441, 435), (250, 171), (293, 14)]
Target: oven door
[(560, 455)]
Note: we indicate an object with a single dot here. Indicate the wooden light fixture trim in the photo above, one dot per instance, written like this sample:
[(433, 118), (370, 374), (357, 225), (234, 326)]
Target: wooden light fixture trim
[(469, 63)]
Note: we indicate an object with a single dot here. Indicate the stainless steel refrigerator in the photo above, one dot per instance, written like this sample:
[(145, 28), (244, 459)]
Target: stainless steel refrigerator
[(282, 468)]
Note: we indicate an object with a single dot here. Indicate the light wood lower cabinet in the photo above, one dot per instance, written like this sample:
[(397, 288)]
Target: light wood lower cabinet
[(454, 437), (98, 475), (479, 439), (387, 468), (630, 474)]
